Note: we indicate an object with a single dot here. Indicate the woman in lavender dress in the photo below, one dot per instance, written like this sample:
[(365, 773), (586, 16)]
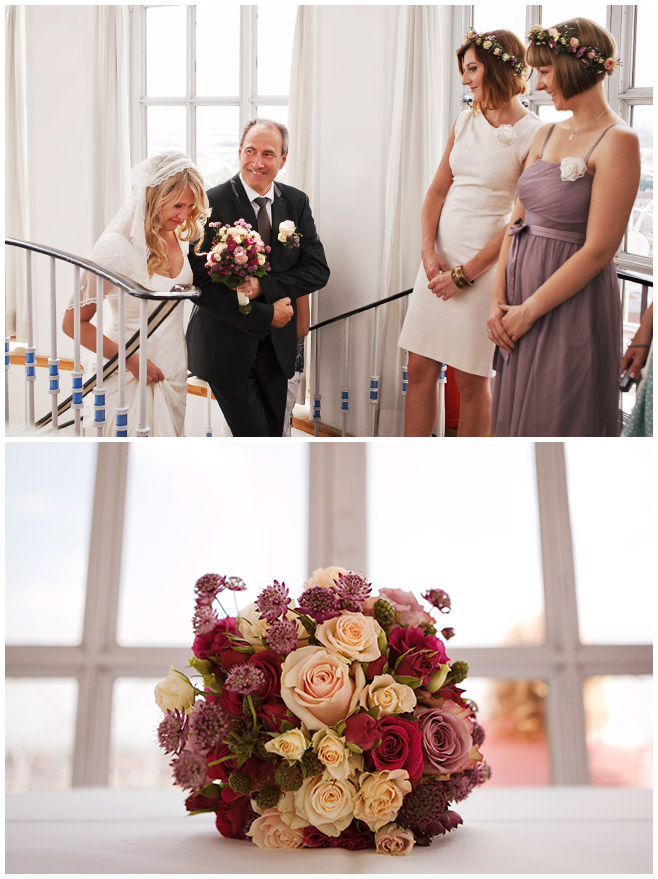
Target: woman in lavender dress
[(555, 310)]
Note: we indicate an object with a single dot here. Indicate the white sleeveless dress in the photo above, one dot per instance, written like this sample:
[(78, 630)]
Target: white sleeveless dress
[(165, 400), (486, 163)]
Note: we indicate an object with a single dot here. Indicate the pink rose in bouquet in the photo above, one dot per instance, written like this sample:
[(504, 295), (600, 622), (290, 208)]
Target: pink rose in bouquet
[(332, 721)]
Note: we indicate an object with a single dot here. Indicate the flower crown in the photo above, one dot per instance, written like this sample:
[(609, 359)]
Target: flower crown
[(489, 44), (560, 41)]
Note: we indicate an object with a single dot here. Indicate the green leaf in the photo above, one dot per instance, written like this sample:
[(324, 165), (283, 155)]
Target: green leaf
[(211, 790), (203, 666), (414, 683), (354, 748)]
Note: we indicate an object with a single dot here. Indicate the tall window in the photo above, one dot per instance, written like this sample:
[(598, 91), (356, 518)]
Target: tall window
[(201, 72)]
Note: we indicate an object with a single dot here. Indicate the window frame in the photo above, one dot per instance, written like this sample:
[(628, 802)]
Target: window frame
[(248, 100)]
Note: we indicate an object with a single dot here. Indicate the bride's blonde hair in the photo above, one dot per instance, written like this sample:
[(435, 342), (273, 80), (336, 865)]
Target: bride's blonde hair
[(192, 230)]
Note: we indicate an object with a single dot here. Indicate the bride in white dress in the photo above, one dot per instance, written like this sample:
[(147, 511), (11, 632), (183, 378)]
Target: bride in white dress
[(147, 241)]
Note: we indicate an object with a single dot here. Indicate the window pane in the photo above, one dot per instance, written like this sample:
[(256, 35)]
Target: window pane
[(165, 129), (276, 30), (166, 51), (513, 714), (640, 230), (611, 507), (554, 13), (508, 16), (619, 741), (135, 758), (217, 143), (35, 761), (198, 508), (548, 113), (218, 50), (49, 497), (435, 519), (643, 72)]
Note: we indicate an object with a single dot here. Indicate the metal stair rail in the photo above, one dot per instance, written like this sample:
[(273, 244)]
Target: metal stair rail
[(168, 299)]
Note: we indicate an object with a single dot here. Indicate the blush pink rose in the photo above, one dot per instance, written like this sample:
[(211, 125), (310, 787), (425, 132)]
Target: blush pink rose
[(447, 732), (405, 603), (317, 686)]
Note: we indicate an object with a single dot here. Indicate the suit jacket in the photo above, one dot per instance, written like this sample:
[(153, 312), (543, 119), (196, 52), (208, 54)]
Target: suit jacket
[(221, 342)]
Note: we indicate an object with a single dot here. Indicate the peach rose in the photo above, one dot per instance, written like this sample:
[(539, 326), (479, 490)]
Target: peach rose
[(326, 802), (175, 693), (394, 840), (385, 693), (352, 635), (269, 831), (380, 796), (318, 687), (292, 745), (333, 752)]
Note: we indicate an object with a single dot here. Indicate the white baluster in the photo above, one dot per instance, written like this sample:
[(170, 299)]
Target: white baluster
[(7, 364), (53, 360), (77, 403), (30, 350), (441, 414), (122, 409), (345, 391), (373, 395), (99, 390), (208, 412), (142, 428)]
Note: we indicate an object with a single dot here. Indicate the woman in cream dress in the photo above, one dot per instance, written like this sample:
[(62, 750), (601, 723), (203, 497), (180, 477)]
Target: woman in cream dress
[(148, 242), (463, 218)]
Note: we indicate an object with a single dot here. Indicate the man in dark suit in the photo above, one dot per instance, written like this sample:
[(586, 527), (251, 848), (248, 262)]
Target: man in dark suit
[(247, 359)]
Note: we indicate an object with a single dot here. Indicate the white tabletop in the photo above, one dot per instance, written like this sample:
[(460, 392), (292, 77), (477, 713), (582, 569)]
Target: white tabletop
[(506, 830)]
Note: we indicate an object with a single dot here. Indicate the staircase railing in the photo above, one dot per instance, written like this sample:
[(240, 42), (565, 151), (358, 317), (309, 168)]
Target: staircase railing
[(168, 299)]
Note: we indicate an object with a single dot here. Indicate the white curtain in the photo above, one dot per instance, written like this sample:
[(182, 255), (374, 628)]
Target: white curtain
[(419, 129), (16, 180), (112, 113)]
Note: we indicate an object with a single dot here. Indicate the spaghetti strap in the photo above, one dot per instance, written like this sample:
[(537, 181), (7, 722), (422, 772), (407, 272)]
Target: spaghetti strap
[(598, 140), (548, 136)]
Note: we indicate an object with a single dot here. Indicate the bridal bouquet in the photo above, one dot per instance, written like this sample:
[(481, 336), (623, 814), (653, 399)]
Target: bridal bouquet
[(238, 253), (333, 720)]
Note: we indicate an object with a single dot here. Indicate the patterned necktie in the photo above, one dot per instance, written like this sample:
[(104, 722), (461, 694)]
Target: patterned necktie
[(264, 225)]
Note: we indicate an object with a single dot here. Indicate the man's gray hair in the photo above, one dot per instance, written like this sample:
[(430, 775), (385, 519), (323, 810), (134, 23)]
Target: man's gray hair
[(285, 136)]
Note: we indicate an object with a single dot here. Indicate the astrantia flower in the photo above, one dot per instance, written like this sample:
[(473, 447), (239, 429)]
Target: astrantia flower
[(172, 732), (244, 679), (458, 786), (273, 601), (352, 590), (208, 587), (421, 806), (282, 637), (204, 620), (236, 584), (210, 723), (190, 770), (319, 603), (438, 599)]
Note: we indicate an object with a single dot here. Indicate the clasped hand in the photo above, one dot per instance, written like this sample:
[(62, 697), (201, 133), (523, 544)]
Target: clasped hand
[(439, 279), (507, 323)]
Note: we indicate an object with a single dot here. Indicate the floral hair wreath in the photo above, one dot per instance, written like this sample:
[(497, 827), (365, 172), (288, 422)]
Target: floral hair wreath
[(489, 44), (560, 42)]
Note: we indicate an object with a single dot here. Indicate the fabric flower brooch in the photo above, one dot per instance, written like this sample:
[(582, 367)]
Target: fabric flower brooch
[(572, 168), (505, 134)]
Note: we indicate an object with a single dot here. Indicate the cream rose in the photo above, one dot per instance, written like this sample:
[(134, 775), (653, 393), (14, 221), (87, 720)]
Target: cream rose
[(385, 693), (287, 227), (269, 831), (352, 635), (318, 687), (333, 752), (327, 577), (282, 237), (253, 629), (572, 168), (394, 840), (291, 745), (175, 693), (380, 796), (327, 803)]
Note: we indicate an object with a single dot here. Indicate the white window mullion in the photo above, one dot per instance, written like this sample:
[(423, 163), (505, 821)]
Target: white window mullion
[(248, 38), (138, 137), (190, 89), (91, 753), (566, 712)]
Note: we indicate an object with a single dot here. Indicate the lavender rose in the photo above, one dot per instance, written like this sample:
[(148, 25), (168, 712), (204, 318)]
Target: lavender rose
[(447, 735)]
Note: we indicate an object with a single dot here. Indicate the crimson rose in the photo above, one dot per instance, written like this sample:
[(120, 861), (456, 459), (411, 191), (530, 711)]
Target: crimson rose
[(400, 747), (421, 654), (234, 814)]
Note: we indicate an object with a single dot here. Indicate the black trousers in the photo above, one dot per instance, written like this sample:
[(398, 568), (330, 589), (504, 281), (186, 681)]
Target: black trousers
[(257, 405)]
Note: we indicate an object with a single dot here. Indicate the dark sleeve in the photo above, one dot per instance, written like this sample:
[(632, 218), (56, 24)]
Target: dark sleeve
[(310, 273), (222, 302)]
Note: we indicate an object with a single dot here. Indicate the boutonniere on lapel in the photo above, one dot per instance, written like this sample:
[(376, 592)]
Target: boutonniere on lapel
[(288, 234)]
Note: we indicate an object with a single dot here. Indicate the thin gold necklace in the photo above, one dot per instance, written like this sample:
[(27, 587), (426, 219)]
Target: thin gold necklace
[(589, 125)]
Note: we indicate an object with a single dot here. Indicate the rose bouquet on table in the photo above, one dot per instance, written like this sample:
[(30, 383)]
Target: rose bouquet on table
[(237, 254), (333, 720)]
